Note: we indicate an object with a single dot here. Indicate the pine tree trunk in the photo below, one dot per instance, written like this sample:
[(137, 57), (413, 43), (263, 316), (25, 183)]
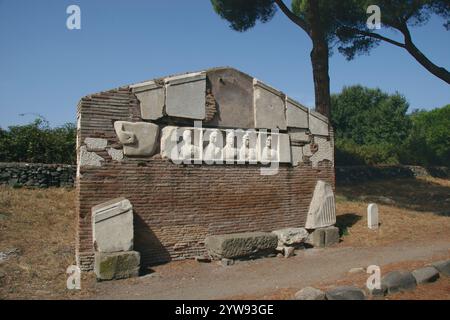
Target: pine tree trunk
[(319, 61)]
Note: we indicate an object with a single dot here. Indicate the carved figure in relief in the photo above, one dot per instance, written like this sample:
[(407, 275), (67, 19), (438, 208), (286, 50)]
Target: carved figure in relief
[(268, 153), (229, 151), (188, 150), (213, 151), (246, 152)]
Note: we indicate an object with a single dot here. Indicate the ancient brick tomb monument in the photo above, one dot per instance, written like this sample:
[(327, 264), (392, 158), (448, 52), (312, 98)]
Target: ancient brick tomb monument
[(168, 166)]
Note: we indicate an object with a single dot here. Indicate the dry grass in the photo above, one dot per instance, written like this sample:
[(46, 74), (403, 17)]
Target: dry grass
[(41, 224), (420, 210)]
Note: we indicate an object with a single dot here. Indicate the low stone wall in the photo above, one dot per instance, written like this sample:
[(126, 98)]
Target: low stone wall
[(63, 175), (352, 174), (37, 175)]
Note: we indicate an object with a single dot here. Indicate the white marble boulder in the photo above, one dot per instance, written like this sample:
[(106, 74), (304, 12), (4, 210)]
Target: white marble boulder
[(291, 236), (112, 226), (137, 138), (372, 216), (322, 209)]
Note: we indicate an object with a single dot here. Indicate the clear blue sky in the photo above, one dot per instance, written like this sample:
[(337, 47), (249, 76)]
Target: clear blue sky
[(46, 68)]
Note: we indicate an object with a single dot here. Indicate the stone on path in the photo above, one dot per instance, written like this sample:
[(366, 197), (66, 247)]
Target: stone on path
[(310, 293), (425, 275), (346, 293), (443, 267), (396, 281), (289, 252)]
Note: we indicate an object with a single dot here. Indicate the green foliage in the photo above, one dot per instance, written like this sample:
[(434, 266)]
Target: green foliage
[(395, 15), (348, 153), (369, 116), (37, 142), (429, 141), (372, 127), (242, 15)]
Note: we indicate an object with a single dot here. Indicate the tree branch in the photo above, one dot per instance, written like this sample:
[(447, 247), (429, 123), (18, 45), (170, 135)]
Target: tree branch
[(375, 36), (439, 72), (293, 17)]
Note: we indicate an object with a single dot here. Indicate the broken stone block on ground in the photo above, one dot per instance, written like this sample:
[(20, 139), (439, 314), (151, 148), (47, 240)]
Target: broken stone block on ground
[(238, 245), (112, 226), (290, 236), (324, 237), (117, 265), (322, 209)]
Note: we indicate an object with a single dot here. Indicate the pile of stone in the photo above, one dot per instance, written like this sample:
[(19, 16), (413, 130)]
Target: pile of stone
[(37, 175), (319, 232), (393, 282), (113, 236)]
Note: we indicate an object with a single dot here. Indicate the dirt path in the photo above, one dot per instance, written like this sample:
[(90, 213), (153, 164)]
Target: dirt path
[(192, 280)]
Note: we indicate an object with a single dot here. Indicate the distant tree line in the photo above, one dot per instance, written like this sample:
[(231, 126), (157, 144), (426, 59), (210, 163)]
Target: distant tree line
[(37, 142), (371, 127)]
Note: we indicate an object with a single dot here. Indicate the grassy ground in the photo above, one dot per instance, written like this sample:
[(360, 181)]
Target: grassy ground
[(41, 225)]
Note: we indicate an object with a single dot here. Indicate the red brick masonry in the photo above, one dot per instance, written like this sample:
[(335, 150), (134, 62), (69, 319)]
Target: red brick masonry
[(177, 206)]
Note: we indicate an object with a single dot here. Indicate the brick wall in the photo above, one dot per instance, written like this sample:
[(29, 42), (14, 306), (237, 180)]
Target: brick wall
[(177, 206)]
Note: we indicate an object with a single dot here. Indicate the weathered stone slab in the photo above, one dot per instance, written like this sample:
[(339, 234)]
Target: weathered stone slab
[(299, 135), (325, 150), (115, 154), (152, 98), (240, 244), (310, 293), (322, 209), (346, 293), (233, 93), (112, 226), (318, 124), (443, 267), (425, 275), (138, 138), (96, 144), (331, 236), (269, 107), (88, 158), (372, 216), (296, 114), (296, 155), (186, 96), (117, 265), (323, 237), (396, 281), (291, 236)]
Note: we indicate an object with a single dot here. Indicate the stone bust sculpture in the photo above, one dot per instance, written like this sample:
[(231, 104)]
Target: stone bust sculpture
[(246, 152), (269, 154), (213, 151), (188, 150), (229, 151)]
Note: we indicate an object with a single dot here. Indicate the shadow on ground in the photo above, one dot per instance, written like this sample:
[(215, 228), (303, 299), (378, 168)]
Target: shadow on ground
[(345, 221), (409, 193)]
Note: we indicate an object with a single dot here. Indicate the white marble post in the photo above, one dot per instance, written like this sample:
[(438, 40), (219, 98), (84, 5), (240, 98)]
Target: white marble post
[(372, 216)]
